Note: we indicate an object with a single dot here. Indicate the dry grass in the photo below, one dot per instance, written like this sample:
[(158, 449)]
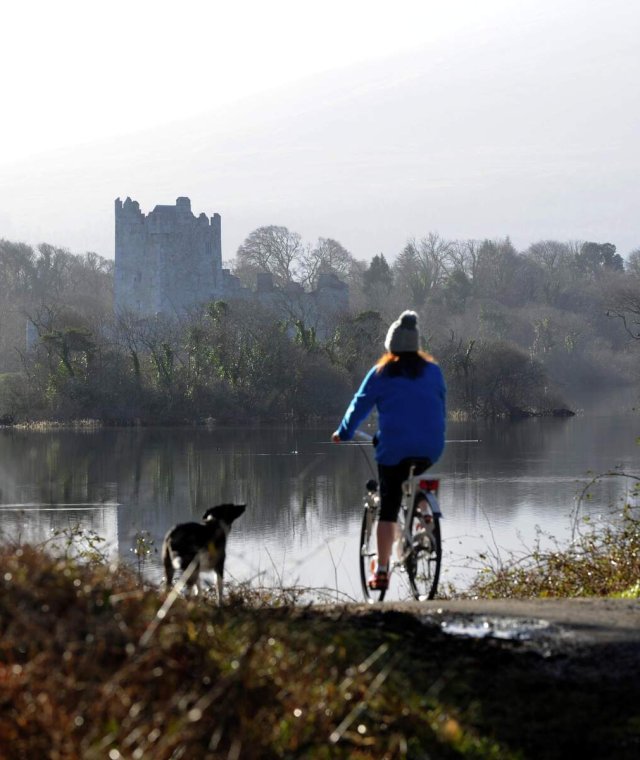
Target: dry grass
[(603, 559), (243, 680)]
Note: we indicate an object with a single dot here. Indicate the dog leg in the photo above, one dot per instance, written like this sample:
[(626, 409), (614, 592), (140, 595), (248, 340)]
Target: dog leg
[(193, 584), (220, 583), (167, 561), (219, 571)]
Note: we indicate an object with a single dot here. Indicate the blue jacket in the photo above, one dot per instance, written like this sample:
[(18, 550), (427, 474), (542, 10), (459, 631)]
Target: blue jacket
[(411, 414)]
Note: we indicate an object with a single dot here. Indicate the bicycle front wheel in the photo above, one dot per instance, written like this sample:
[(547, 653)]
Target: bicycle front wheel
[(369, 554), (425, 558)]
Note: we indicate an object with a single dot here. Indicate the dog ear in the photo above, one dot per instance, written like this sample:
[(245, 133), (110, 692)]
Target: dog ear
[(226, 513)]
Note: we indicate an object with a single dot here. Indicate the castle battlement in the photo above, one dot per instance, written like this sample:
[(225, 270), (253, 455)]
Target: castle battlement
[(129, 210), (166, 261)]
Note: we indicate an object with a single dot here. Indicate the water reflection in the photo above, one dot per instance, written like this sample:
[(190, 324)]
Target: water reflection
[(303, 494)]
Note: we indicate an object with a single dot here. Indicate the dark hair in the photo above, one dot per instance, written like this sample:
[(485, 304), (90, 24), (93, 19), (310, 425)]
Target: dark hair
[(406, 364)]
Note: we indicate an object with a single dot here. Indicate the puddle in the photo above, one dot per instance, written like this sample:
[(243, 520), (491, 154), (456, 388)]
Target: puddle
[(481, 626)]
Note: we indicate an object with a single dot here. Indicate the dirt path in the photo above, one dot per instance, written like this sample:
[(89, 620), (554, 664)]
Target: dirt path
[(588, 621), (549, 678), (599, 635)]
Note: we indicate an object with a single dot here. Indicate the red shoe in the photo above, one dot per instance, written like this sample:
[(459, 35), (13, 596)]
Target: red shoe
[(379, 581)]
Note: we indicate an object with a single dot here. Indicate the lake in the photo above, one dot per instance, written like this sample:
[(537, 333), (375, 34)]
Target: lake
[(502, 482)]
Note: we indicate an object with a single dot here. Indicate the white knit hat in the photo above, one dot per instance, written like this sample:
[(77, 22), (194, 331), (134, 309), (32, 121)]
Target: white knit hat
[(403, 334)]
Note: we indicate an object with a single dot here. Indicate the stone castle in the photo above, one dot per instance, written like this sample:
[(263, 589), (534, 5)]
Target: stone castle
[(170, 261)]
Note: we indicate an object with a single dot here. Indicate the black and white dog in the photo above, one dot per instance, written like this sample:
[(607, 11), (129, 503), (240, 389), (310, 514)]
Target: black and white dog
[(192, 547)]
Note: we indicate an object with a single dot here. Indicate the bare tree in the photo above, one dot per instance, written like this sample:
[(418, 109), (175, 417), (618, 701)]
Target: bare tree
[(271, 249), (283, 254), (128, 335), (622, 297), (463, 256), (328, 256), (556, 262), (421, 267), (16, 268), (633, 262), (550, 255)]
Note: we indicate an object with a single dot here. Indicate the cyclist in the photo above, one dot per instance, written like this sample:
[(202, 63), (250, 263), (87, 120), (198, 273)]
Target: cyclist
[(408, 389)]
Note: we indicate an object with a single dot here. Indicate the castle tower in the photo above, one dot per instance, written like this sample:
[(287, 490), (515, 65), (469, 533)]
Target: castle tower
[(168, 261)]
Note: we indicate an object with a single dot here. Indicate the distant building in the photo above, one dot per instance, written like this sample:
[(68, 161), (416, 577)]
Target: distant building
[(167, 261), (170, 261)]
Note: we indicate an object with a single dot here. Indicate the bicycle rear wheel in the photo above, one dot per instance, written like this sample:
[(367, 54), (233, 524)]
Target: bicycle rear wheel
[(369, 553), (423, 563)]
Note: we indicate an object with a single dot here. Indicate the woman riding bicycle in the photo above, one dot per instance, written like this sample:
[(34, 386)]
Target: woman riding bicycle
[(408, 390)]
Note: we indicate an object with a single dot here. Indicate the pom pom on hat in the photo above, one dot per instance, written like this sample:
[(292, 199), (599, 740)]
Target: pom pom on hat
[(403, 334)]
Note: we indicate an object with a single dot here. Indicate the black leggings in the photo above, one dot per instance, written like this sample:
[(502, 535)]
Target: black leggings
[(392, 476)]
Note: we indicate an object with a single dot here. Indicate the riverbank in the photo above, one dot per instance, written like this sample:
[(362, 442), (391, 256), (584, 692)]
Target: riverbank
[(91, 670), (515, 413)]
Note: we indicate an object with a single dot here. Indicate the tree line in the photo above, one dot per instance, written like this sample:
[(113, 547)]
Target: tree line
[(516, 332)]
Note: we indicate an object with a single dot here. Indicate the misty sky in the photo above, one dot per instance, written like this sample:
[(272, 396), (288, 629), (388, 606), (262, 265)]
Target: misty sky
[(368, 122)]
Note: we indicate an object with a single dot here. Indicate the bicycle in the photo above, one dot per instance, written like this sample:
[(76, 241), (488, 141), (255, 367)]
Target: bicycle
[(417, 549)]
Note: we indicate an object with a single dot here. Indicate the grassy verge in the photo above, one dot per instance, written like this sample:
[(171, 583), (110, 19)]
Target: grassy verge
[(89, 669), (238, 681), (603, 558)]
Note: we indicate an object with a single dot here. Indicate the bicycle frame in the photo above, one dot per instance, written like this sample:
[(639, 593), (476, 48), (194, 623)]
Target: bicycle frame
[(414, 485)]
